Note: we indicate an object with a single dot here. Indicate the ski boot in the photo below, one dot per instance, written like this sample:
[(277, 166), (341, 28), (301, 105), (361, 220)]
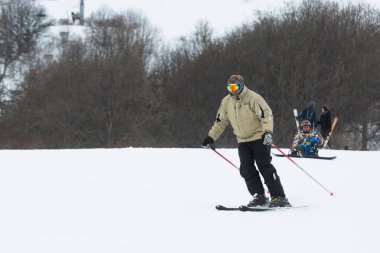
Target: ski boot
[(279, 202), (295, 152), (302, 152), (314, 150), (258, 200)]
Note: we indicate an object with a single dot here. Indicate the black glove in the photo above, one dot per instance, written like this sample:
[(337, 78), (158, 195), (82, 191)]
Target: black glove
[(208, 143), (267, 139)]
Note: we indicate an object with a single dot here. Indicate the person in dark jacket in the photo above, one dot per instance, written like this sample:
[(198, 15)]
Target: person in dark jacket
[(325, 121), (309, 114), (252, 122)]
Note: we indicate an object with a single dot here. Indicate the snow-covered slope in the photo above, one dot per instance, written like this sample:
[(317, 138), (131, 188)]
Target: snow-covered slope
[(162, 200)]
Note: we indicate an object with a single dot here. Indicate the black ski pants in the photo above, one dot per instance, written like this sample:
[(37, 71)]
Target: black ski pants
[(256, 151)]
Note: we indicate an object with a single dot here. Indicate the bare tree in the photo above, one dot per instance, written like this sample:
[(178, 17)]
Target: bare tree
[(121, 47), (97, 92), (112, 90), (21, 24), (314, 51)]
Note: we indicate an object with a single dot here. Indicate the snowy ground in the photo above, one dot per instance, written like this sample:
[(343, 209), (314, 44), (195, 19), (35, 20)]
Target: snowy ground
[(162, 200)]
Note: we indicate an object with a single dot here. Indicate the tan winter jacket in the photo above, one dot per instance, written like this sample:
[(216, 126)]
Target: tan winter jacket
[(250, 116)]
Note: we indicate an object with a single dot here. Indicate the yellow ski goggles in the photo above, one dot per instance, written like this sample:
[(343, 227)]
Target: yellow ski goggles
[(233, 87)]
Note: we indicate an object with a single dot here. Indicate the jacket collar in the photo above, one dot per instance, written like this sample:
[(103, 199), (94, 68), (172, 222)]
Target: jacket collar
[(242, 94)]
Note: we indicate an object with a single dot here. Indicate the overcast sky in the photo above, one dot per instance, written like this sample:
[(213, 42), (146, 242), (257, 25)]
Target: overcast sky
[(178, 17)]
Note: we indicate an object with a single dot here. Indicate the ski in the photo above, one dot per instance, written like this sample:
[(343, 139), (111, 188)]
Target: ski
[(223, 208), (312, 157), (258, 208), (332, 129), (244, 208), (268, 208)]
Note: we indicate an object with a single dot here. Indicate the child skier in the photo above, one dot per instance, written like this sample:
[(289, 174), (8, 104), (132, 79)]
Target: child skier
[(306, 143)]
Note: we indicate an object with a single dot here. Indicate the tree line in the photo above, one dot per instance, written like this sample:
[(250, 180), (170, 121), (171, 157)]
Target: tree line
[(121, 86)]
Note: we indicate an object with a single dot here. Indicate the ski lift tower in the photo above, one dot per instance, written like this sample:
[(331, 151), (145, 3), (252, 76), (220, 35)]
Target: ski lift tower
[(81, 12)]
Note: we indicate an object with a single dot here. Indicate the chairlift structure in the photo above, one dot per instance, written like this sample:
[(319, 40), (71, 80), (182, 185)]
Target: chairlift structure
[(79, 15)]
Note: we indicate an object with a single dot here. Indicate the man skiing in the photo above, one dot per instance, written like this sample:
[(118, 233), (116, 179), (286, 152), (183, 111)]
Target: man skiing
[(252, 122), (306, 142)]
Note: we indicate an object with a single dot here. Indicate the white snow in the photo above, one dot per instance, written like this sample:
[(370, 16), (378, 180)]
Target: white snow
[(163, 200)]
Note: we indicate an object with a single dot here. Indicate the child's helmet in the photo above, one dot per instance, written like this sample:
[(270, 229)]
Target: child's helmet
[(305, 123)]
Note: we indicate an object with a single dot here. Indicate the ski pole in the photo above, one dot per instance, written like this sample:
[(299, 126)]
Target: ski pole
[(315, 180), (213, 149), (320, 135)]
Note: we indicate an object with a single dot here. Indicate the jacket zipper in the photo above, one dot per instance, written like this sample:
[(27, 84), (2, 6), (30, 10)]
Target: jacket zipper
[(236, 113)]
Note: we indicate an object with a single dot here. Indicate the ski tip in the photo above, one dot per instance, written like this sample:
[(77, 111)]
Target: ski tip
[(332, 194), (219, 207)]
